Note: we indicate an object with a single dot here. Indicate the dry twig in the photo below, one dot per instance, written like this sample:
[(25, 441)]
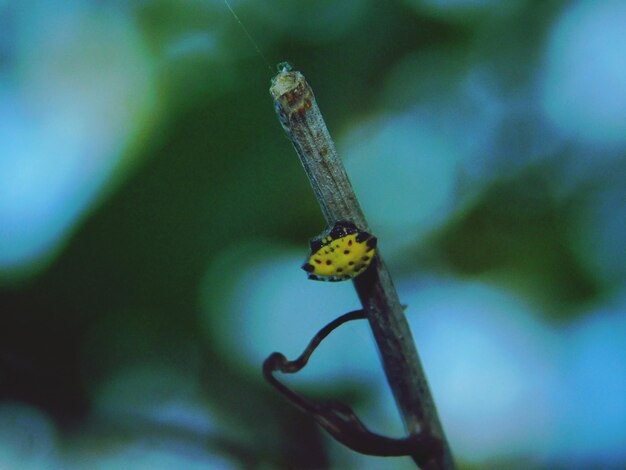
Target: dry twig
[(301, 118)]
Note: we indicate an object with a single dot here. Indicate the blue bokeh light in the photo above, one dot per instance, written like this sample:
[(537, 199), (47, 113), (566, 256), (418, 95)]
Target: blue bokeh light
[(491, 365), (28, 438), (404, 174), (79, 91), (584, 92), (281, 310), (594, 377)]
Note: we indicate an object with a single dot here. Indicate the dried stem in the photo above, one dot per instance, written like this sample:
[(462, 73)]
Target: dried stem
[(301, 118)]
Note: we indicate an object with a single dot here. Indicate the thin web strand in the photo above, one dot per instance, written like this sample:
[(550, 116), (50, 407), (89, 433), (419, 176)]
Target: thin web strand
[(247, 33)]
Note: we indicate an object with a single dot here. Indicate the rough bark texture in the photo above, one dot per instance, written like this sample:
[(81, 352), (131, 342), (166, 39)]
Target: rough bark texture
[(301, 118)]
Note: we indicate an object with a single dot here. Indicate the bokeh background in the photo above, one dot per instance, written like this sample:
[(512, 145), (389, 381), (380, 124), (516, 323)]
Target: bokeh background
[(153, 218)]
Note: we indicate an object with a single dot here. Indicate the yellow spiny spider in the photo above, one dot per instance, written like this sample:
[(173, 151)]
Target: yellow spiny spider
[(341, 253)]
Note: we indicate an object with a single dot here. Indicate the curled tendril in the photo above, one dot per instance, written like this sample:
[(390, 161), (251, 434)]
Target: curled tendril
[(338, 419)]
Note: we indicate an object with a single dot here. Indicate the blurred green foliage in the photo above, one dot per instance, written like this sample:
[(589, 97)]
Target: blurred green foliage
[(121, 295)]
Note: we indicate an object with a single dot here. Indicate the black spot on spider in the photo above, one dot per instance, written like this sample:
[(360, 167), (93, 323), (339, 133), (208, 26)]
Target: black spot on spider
[(351, 263), (328, 262), (308, 267), (339, 270), (346, 252), (318, 261), (365, 258), (349, 242)]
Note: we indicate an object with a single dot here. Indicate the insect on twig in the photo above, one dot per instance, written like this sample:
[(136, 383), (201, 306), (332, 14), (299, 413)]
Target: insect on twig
[(302, 120)]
